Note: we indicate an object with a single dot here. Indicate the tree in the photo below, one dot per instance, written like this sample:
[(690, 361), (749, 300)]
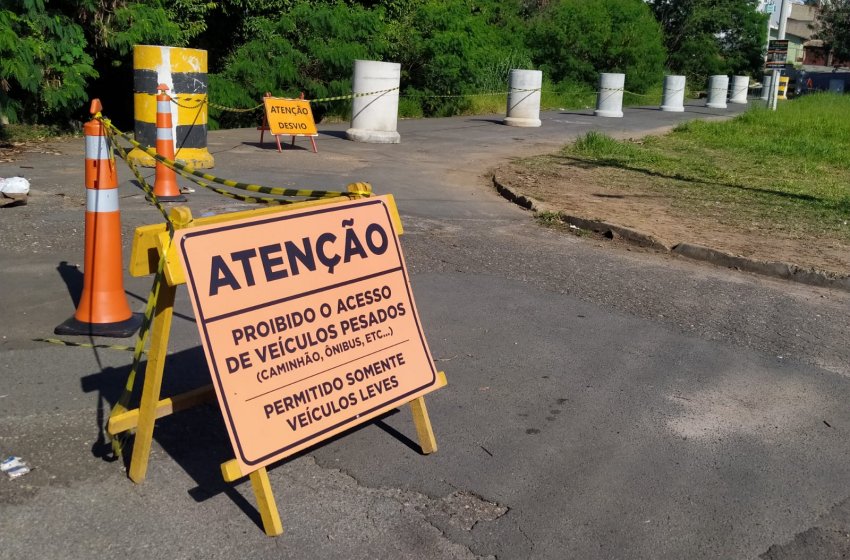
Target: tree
[(43, 62), (706, 37), (457, 47), (311, 47), (55, 55), (833, 27), (574, 40)]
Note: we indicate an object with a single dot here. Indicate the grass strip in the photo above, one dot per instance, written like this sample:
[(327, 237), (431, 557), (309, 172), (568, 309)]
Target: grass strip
[(786, 170)]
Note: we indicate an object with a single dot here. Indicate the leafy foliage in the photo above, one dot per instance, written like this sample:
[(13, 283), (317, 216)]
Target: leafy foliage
[(707, 37), (833, 26), (55, 54), (310, 48), (43, 63), (574, 40), (52, 53), (458, 47)]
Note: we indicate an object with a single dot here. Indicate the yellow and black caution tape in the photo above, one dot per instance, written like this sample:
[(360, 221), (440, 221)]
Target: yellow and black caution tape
[(139, 349), (143, 184), (176, 100), (86, 344), (236, 196), (123, 404), (351, 95), (201, 103), (229, 109), (480, 94), (250, 187)]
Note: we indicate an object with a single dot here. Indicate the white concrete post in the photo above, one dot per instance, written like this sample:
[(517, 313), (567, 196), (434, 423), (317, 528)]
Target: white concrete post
[(524, 98), (766, 86), (718, 86), (740, 88), (674, 94), (609, 100), (774, 90), (374, 118)]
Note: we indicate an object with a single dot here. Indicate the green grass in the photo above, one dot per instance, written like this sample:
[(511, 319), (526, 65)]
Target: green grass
[(788, 169)]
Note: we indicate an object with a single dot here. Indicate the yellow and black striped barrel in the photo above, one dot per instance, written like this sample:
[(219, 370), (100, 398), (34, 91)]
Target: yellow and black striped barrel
[(184, 71), (783, 88)]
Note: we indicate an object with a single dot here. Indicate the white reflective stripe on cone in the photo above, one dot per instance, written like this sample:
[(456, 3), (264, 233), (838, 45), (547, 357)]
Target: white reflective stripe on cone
[(163, 107), (97, 147), (101, 200), (164, 134)]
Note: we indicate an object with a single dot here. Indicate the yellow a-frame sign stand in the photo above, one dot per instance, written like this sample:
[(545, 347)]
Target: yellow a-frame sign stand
[(149, 243)]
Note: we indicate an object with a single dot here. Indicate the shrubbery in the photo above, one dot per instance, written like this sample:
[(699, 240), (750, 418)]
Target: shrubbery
[(55, 55), (575, 40), (310, 48), (708, 37)]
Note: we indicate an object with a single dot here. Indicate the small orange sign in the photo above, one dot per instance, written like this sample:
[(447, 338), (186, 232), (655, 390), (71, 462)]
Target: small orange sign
[(290, 116), (308, 323)]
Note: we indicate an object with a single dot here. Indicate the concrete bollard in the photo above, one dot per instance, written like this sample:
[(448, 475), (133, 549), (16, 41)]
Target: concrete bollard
[(524, 98), (374, 118), (673, 99), (184, 71), (739, 90), (766, 86), (718, 86), (609, 100)]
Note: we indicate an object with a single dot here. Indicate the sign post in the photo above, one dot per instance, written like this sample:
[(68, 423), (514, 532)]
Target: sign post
[(307, 321), (777, 55)]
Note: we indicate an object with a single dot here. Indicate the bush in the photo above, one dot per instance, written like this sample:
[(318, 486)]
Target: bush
[(310, 48), (459, 47), (44, 65), (707, 37), (575, 40)]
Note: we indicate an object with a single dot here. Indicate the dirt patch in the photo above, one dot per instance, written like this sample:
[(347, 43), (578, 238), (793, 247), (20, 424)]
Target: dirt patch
[(627, 199)]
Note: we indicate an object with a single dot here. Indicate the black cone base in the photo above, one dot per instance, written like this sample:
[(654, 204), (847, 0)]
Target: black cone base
[(124, 329)]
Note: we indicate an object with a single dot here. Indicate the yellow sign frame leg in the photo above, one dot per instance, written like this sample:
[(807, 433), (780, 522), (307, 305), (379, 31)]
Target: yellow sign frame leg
[(160, 331), (149, 243), (423, 426), (265, 502)]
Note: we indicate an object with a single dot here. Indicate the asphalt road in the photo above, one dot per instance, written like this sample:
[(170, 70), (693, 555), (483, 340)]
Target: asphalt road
[(603, 401)]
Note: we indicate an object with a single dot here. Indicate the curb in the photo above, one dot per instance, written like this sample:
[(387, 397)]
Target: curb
[(774, 269)]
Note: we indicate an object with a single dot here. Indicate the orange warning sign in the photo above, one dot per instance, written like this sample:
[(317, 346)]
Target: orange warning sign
[(308, 323), (290, 116)]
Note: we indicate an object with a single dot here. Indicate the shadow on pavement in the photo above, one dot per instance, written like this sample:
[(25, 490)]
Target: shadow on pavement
[(73, 278), (494, 121), (340, 134), (272, 145), (196, 439), (577, 113)]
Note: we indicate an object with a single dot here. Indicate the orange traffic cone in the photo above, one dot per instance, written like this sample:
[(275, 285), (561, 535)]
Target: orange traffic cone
[(165, 185), (103, 308)]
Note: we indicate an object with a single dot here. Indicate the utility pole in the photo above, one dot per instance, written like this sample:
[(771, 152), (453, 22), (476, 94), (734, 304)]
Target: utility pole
[(784, 12)]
